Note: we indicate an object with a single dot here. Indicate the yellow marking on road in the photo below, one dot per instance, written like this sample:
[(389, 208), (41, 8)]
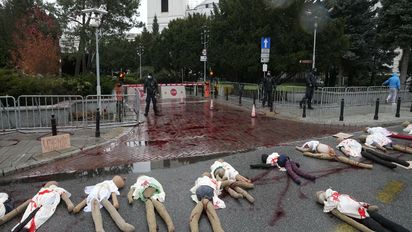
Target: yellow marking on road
[(390, 191), (344, 227)]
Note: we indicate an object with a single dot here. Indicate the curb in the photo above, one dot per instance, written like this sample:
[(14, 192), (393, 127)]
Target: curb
[(33, 164)]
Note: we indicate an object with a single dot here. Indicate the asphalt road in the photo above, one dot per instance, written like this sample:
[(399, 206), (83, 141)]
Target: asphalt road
[(280, 205)]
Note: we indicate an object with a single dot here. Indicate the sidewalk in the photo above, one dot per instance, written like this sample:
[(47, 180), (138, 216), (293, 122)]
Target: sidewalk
[(353, 116), (21, 151)]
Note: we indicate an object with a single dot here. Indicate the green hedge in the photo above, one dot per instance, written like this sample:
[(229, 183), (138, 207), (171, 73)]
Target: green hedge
[(16, 84)]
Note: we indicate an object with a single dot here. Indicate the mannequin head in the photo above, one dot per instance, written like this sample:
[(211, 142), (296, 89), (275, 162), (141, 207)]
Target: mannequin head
[(118, 181)]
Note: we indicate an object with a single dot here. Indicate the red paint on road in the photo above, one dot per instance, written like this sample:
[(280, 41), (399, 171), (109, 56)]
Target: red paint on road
[(188, 130)]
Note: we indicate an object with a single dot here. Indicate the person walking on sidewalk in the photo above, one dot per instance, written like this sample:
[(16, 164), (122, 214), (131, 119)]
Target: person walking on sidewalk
[(268, 85), (311, 85), (150, 89), (394, 86)]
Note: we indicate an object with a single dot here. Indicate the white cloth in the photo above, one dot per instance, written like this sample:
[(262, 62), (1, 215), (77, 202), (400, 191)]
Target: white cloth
[(205, 180), (3, 198), (273, 160), (345, 204), (381, 130), (377, 138), (408, 129), (230, 172), (48, 198), (352, 147), (142, 183), (99, 192), (312, 145)]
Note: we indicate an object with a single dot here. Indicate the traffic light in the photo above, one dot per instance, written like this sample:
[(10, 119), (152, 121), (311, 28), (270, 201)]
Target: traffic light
[(122, 75), (211, 73)]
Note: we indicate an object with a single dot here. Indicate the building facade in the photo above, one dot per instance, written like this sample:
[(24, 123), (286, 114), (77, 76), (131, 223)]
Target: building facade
[(168, 10)]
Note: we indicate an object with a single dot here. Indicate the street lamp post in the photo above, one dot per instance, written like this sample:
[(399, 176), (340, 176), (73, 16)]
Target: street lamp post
[(204, 39), (96, 15), (314, 42), (140, 51)]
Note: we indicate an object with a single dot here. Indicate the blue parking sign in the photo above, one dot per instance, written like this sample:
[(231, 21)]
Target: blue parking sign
[(265, 43)]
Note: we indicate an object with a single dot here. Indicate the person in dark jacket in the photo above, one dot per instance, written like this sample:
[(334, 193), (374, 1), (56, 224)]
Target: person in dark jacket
[(150, 89), (268, 85), (311, 85)]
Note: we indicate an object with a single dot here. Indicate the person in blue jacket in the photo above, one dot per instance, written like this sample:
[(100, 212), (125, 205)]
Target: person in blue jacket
[(394, 86)]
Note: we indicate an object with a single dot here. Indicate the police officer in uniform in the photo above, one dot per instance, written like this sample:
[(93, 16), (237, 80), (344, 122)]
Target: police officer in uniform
[(268, 84), (150, 88), (311, 85)]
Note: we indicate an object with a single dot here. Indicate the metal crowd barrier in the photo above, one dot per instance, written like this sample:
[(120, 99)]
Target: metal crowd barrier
[(8, 113), (35, 111), (116, 109)]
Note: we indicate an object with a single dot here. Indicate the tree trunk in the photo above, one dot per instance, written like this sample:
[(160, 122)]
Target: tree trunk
[(79, 57), (404, 64)]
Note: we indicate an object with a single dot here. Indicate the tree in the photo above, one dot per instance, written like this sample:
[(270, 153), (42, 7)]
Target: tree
[(77, 24), (395, 29), (359, 27), (10, 12), (36, 43), (183, 43), (155, 27)]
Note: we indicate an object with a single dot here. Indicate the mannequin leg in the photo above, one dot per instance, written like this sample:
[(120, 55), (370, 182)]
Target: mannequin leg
[(161, 209), (120, 222), (301, 173), (20, 209), (212, 215), (291, 173), (194, 217), (80, 206), (233, 193), (68, 202), (150, 216), (245, 194), (97, 216)]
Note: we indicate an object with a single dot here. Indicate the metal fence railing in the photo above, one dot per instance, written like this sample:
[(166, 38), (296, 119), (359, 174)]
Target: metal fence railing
[(8, 113), (324, 97), (116, 109), (35, 111)]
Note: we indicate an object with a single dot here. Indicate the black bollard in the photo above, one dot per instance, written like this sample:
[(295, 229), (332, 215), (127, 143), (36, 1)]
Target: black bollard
[(53, 125), (254, 98), (342, 106), (304, 110), (270, 101), (376, 117), (398, 108), (196, 90), (97, 123), (227, 93), (411, 108), (240, 98)]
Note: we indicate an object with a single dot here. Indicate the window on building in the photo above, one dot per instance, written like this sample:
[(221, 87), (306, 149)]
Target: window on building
[(207, 6), (165, 5)]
